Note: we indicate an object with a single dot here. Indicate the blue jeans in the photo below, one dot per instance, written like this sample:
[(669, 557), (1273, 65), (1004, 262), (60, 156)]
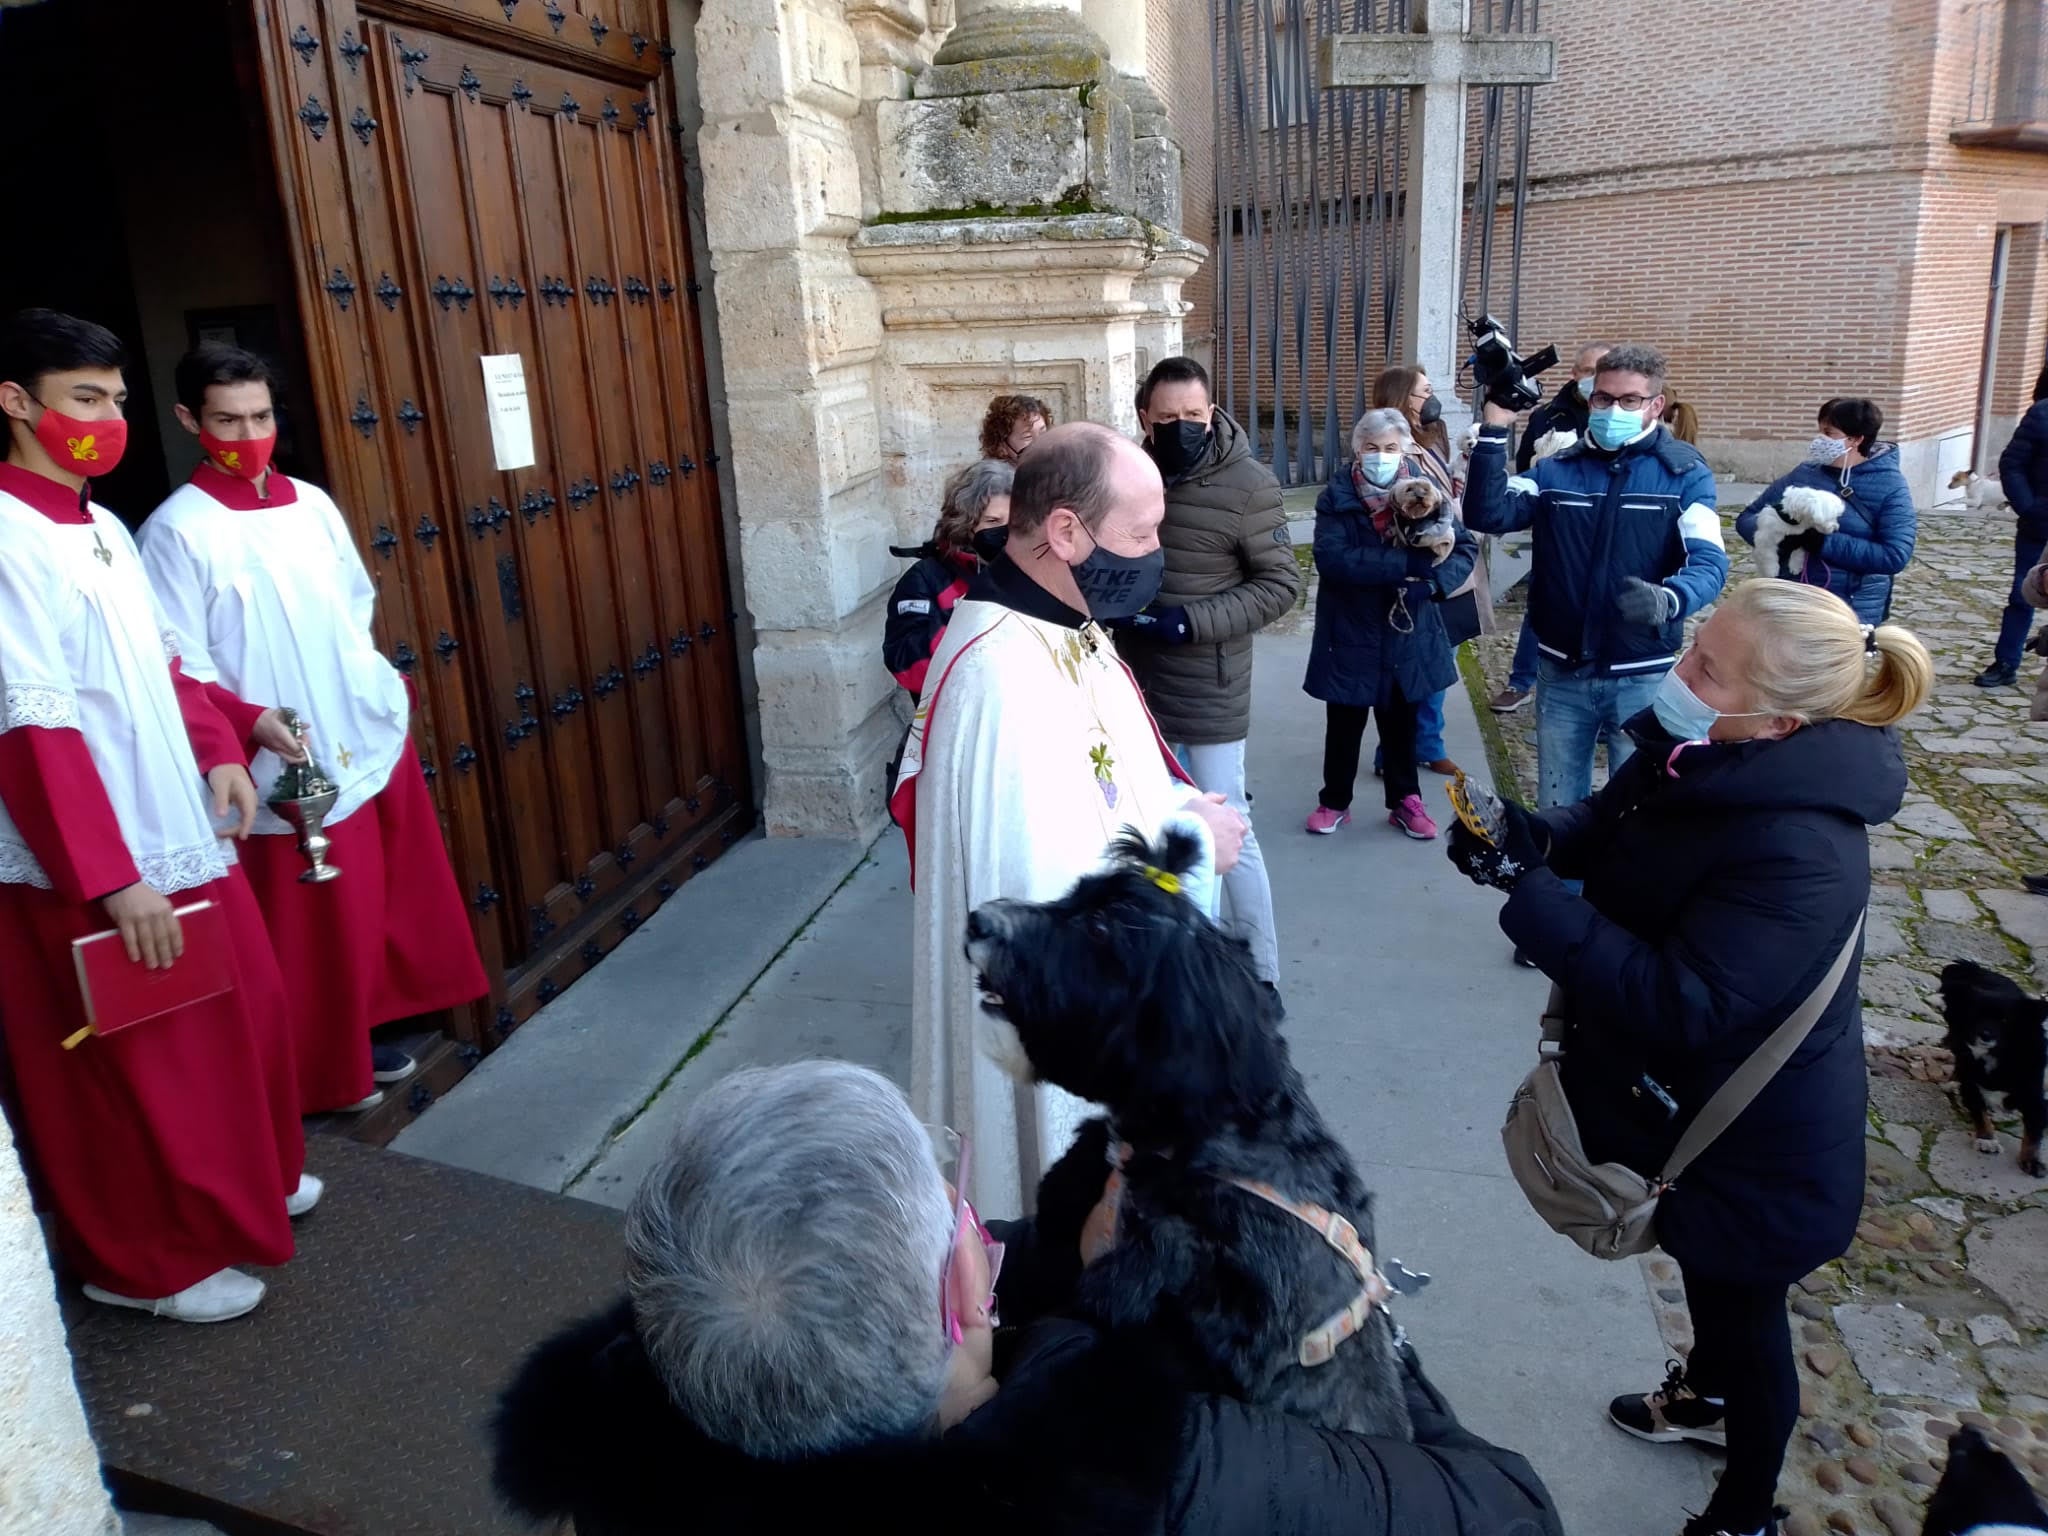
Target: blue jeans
[(1429, 733), (1522, 670), (1576, 708), (1247, 894), (2018, 619)]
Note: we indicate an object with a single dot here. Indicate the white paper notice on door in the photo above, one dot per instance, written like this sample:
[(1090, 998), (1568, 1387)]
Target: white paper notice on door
[(505, 401)]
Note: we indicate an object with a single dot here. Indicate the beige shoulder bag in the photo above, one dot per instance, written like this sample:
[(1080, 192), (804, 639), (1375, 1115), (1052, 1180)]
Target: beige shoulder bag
[(1606, 1208)]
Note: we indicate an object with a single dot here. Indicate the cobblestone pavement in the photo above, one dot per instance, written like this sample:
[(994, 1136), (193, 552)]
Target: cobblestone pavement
[(1938, 1315)]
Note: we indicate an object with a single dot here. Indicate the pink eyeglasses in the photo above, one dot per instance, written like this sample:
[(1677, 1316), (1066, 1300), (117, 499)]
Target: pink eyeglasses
[(953, 1153)]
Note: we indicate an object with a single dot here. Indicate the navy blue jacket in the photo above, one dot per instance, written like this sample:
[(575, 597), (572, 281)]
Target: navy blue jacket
[(1599, 518), (1875, 541), (1360, 657), (1714, 902), (2023, 469)]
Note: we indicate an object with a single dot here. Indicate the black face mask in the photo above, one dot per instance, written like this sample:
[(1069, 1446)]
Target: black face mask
[(1431, 413), (1178, 446), (988, 542)]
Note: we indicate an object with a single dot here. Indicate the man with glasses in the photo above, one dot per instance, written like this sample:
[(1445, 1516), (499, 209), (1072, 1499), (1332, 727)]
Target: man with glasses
[(1627, 544)]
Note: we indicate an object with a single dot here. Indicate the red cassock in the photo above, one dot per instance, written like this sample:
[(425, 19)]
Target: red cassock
[(388, 940), (271, 604), (164, 1152)]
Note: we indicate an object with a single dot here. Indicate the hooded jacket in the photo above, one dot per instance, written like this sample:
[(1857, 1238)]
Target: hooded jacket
[(1647, 511), (1230, 564), (1088, 1436), (1719, 886), (1879, 525), (919, 608)]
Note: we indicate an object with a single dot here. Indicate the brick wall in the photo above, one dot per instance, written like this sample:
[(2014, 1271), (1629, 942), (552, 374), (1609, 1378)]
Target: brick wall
[(1178, 66)]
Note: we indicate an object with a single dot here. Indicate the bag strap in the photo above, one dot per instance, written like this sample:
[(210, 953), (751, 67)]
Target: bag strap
[(1750, 1079)]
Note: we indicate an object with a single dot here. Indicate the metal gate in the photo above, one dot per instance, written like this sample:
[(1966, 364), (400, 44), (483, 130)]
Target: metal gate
[(1309, 202)]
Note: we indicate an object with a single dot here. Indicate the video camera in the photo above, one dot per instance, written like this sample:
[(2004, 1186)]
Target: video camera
[(1503, 375)]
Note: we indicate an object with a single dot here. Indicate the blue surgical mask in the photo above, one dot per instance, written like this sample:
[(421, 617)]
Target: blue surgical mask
[(1612, 427), (1586, 386), (1685, 715), (1379, 468)]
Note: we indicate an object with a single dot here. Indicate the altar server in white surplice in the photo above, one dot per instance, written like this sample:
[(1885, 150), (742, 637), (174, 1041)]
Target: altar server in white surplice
[(272, 606), (1031, 749)]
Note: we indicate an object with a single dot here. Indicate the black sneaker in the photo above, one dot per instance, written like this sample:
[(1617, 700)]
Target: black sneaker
[(1713, 1525), (1524, 961), (388, 1064), (1998, 675), (2038, 884), (1672, 1413)]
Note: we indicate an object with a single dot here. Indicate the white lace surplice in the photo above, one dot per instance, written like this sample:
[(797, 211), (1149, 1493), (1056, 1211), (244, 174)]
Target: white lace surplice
[(276, 605), (84, 647)]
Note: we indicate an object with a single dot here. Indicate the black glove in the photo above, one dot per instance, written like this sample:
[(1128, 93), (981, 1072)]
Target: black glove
[(1642, 602), (1169, 626), (1524, 845)]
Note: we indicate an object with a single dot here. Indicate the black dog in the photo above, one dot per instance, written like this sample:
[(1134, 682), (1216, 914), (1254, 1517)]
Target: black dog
[(1124, 993), (1982, 1491), (1995, 1034)]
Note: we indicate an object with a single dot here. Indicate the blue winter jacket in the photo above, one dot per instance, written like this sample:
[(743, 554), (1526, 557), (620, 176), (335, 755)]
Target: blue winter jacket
[(1875, 541), (2023, 469), (1599, 518), (1368, 589)]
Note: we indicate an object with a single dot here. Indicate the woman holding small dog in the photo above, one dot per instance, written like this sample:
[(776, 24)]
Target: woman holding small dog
[(1380, 648), (1726, 868), (1873, 540)]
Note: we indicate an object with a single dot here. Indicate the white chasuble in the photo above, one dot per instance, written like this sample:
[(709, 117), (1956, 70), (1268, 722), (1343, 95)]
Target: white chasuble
[(84, 647), (1031, 750), (274, 604)]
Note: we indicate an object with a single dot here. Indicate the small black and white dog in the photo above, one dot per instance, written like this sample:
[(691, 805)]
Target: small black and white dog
[(1995, 1034), (1982, 1493), (1124, 993)]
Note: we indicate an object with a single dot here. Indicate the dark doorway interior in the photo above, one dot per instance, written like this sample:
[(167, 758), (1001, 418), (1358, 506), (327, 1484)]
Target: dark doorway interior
[(147, 201)]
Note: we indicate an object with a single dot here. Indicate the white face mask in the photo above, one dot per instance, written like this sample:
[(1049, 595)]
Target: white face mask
[(1826, 450)]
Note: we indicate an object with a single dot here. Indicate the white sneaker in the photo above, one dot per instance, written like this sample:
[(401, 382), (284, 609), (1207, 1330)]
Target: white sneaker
[(305, 1197), (221, 1295), (369, 1100)]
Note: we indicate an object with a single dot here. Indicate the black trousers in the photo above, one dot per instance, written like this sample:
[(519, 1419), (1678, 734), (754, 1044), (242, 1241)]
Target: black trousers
[(1742, 1354), (1343, 732)]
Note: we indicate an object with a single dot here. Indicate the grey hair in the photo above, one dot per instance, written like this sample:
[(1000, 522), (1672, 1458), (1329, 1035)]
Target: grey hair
[(966, 496), (1379, 423), (1633, 357), (783, 1258), (1601, 347)]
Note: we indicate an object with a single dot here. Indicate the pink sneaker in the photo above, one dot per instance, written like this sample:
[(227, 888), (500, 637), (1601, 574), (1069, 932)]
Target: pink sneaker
[(1324, 821), (1410, 817)]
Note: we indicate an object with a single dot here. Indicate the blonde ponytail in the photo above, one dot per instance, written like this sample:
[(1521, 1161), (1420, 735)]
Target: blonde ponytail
[(1815, 661), (1897, 681)]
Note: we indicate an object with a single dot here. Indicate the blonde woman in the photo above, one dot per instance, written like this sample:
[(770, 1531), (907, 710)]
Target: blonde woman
[(1725, 865)]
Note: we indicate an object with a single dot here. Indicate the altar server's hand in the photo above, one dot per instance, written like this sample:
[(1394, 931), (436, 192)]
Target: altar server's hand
[(1225, 825), (271, 732), (233, 790), (148, 924)]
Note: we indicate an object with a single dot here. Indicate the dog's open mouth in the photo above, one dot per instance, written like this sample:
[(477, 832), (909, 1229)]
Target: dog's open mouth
[(982, 952)]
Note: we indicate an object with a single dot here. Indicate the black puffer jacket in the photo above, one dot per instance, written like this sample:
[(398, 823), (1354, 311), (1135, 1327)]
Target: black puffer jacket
[(1565, 411), (2023, 469), (1230, 564), (1085, 1438), (1715, 900)]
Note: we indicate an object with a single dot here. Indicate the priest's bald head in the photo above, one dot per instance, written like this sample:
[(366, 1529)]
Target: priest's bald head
[(1084, 519)]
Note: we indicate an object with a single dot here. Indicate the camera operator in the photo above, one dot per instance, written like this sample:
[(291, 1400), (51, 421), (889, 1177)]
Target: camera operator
[(1627, 543)]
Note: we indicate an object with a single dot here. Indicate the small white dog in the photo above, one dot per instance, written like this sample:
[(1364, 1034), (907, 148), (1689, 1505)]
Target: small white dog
[(1803, 508), (1979, 491), (1554, 441)]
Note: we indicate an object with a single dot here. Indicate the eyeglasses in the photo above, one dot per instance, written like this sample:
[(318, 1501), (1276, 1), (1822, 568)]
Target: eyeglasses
[(1600, 400), (953, 1153)]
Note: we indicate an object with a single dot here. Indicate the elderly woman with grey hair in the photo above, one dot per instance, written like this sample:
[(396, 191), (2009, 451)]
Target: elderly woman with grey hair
[(808, 1342), (974, 518), (1380, 648)]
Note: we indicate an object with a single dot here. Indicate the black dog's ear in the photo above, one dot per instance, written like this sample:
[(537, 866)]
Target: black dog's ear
[(1175, 853), (1981, 1487)]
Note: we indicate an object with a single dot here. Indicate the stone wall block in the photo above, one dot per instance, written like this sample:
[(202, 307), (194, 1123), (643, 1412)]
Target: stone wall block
[(849, 439), (741, 67), (826, 58), (1156, 163), (1112, 175), (764, 314), (752, 201), (1028, 149), (845, 320), (827, 182)]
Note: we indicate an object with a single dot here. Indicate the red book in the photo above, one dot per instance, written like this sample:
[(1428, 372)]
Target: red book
[(119, 992)]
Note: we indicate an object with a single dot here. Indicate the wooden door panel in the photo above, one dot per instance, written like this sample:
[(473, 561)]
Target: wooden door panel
[(488, 179)]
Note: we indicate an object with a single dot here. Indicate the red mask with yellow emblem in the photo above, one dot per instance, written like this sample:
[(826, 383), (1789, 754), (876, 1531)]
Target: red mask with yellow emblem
[(89, 448), (246, 457)]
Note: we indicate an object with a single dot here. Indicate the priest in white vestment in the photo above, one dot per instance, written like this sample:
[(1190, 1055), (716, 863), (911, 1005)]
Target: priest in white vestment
[(1030, 751)]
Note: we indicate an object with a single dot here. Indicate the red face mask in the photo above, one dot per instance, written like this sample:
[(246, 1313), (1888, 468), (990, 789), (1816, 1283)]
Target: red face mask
[(247, 457), (89, 448)]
